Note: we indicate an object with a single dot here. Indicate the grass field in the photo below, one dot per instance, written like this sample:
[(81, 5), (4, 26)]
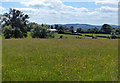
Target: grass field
[(60, 60)]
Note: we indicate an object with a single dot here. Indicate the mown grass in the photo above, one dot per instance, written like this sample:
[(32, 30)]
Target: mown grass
[(60, 60)]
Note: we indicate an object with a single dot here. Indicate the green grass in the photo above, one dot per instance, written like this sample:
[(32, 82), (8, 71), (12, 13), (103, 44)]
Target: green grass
[(71, 36), (96, 34), (60, 60), (65, 35)]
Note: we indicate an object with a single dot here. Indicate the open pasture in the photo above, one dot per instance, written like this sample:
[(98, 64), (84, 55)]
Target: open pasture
[(60, 60)]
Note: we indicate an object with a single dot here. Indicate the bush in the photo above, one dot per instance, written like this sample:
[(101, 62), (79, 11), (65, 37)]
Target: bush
[(15, 32), (94, 37), (61, 36), (113, 35), (38, 32), (51, 35), (7, 30)]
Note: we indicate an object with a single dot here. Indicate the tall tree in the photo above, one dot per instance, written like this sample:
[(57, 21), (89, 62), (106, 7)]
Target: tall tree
[(18, 21)]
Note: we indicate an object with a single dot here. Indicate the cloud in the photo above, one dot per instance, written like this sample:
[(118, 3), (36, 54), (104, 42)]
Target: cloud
[(2, 8), (54, 11), (106, 2), (27, 9), (108, 9)]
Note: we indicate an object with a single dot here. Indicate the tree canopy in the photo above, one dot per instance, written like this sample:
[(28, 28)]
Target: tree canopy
[(18, 22)]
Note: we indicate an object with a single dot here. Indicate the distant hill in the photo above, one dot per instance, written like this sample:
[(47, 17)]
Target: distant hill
[(83, 26)]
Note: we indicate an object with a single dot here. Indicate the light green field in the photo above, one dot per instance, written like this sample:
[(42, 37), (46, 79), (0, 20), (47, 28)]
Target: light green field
[(60, 60), (66, 35)]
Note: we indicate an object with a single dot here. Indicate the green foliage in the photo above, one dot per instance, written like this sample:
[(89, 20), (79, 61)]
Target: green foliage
[(38, 32), (94, 37), (18, 21), (60, 30), (7, 32), (106, 29), (72, 29), (51, 27), (30, 26), (113, 35), (79, 30), (56, 26), (61, 36), (45, 26), (51, 34)]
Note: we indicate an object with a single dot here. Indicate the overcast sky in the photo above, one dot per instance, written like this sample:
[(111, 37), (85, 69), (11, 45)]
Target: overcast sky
[(96, 12)]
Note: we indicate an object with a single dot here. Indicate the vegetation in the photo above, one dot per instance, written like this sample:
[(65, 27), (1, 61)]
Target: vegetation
[(60, 60), (15, 24), (38, 32), (72, 29)]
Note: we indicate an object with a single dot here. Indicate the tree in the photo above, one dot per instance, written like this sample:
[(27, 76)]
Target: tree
[(56, 26), (51, 27), (106, 29), (95, 30), (45, 26), (72, 29), (7, 32), (38, 32), (113, 34), (30, 26), (18, 21), (79, 30), (60, 30), (117, 31)]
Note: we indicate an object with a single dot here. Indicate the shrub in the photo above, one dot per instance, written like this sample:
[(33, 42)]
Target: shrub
[(94, 37), (7, 30), (38, 32), (113, 35), (61, 36)]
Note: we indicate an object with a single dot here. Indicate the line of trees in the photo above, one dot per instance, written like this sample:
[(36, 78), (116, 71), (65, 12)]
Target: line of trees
[(16, 25), (105, 29)]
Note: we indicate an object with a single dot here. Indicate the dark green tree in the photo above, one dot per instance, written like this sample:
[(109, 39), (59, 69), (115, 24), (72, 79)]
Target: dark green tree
[(18, 21), (7, 31), (30, 26), (106, 29), (72, 29), (38, 32), (51, 27), (56, 26), (79, 30), (60, 30)]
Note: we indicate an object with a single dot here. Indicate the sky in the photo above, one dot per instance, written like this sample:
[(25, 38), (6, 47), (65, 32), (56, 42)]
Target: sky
[(97, 12)]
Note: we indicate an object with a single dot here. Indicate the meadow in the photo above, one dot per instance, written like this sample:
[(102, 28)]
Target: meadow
[(60, 60)]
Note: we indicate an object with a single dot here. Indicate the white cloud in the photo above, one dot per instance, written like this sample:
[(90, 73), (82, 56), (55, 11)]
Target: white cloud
[(108, 9), (27, 9), (54, 11), (2, 8), (107, 2)]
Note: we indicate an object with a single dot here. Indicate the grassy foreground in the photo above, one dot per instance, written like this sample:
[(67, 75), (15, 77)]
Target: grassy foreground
[(60, 60)]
